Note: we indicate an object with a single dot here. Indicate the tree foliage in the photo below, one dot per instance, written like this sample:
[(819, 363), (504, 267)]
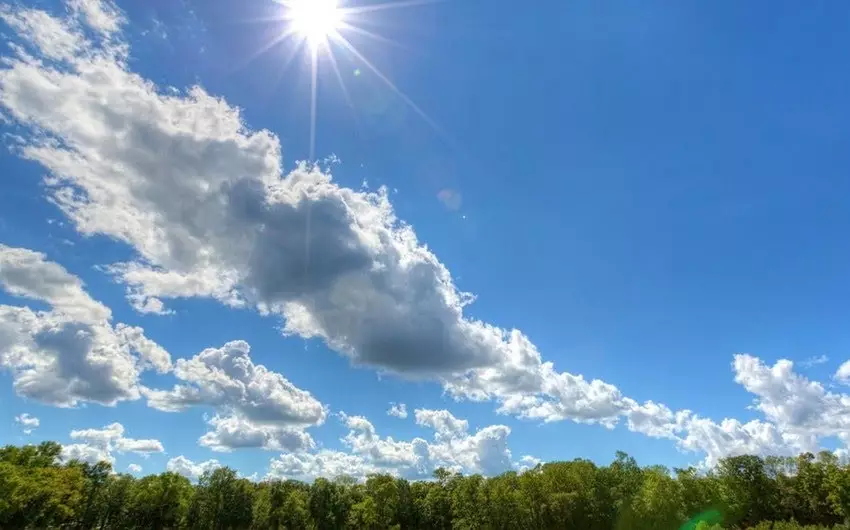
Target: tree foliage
[(809, 492)]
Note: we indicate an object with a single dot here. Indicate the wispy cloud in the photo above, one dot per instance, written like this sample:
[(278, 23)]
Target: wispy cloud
[(814, 361)]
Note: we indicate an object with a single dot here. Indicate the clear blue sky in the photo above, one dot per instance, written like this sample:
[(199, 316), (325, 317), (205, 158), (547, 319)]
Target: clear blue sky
[(643, 189)]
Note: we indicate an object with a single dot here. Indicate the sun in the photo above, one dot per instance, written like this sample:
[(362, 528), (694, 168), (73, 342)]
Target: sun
[(315, 20), (322, 25)]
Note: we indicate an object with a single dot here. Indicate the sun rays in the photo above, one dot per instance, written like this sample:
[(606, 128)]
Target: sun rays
[(319, 28), (314, 20)]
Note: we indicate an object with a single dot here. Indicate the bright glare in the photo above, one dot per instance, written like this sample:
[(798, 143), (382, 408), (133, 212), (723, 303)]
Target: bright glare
[(316, 20)]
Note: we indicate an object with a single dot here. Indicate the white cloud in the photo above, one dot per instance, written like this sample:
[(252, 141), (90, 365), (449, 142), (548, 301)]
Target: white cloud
[(70, 353), (142, 447), (134, 468), (27, 422), (96, 445), (112, 436), (814, 361), (203, 201), (234, 432), (442, 421), (258, 407), (86, 453), (453, 448), (530, 388), (53, 38), (190, 469), (398, 410), (151, 354), (101, 15), (798, 413), (731, 438), (656, 420), (790, 400), (149, 305), (147, 286), (227, 377), (527, 463), (28, 274), (325, 463), (843, 373)]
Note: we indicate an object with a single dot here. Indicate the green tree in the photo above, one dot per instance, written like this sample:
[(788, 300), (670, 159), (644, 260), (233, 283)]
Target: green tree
[(116, 503), (295, 513), (748, 494), (161, 501), (383, 489), (469, 503), (364, 515), (327, 504), (437, 505), (658, 503), (807, 492), (838, 491), (222, 501), (96, 479), (40, 497)]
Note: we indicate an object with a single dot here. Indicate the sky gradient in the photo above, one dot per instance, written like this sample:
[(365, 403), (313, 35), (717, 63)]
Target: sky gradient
[(510, 235)]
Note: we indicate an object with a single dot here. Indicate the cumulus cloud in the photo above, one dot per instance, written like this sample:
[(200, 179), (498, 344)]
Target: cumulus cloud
[(790, 400), (70, 353), (798, 413), (234, 432), (28, 274), (731, 438), (442, 421), (86, 453), (27, 422), (96, 445), (134, 468), (203, 201), (325, 463), (257, 407), (190, 469), (454, 448), (843, 373), (656, 420), (398, 410), (151, 354)]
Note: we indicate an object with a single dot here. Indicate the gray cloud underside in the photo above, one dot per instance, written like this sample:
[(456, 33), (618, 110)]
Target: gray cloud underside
[(71, 352)]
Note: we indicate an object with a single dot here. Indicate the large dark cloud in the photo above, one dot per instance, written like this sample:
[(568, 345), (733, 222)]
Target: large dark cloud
[(201, 197)]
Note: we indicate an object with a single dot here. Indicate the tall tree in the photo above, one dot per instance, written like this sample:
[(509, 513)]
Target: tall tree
[(747, 492)]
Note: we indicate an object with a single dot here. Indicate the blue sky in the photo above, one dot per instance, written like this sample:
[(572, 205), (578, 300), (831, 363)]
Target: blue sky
[(647, 201)]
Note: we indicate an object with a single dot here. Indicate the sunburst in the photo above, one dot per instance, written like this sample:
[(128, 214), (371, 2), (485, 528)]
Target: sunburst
[(321, 25), (314, 20)]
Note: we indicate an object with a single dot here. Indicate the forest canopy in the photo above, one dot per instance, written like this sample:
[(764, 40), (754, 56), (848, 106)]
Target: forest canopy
[(37, 490)]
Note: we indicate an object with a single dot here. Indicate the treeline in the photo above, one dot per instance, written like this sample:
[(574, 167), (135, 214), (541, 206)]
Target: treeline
[(774, 493)]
